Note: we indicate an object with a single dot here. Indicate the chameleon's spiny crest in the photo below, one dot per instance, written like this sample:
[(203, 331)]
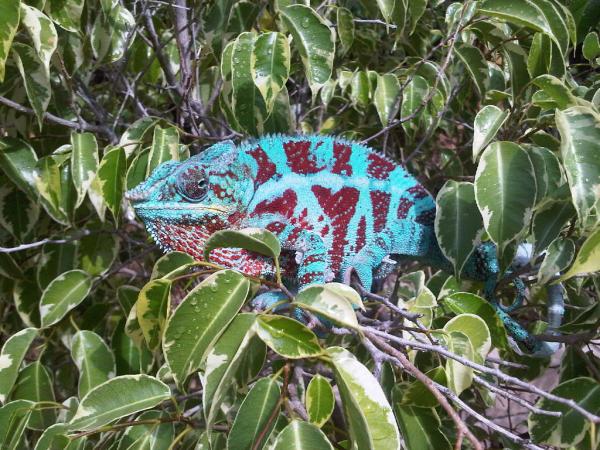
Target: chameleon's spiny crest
[(334, 205)]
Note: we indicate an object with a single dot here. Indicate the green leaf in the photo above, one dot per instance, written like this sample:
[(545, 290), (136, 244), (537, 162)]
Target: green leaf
[(579, 129), (111, 177), (42, 33), (421, 428), (67, 14), (549, 221), (414, 94), (26, 295), (56, 259), (248, 105), (299, 435), (18, 160), (548, 174), (97, 252), (466, 302), (505, 191), (94, 360), (327, 301), (591, 46), (540, 15), (270, 66), (49, 186), (200, 319), (84, 162), (315, 41), (559, 256), (110, 34), (416, 393), (222, 362), (488, 121), (369, 415), (556, 90), (387, 9), (152, 308), (63, 294), (287, 337), (170, 262), (34, 384), (17, 221), (139, 134), (386, 97), (13, 352), (571, 428), (540, 55), (9, 22), (460, 377), (253, 417), (476, 65), (345, 28), (319, 400), (54, 438), (35, 78), (116, 398), (151, 436), (129, 357), (458, 224), (13, 420), (359, 89), (475, 328), (165, 147), (588, 257), (254, 239)]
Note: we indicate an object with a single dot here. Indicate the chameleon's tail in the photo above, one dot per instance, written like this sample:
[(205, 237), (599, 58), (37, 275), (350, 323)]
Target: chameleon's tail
[(556, 308)]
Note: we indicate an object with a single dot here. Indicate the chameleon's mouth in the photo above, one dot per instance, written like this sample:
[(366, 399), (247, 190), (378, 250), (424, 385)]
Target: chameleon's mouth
[(173, 206)]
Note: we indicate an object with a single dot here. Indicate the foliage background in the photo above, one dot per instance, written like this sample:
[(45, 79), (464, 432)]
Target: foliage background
[(493, 105)]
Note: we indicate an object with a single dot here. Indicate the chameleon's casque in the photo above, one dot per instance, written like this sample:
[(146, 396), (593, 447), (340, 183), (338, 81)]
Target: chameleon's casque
[(334, 205)]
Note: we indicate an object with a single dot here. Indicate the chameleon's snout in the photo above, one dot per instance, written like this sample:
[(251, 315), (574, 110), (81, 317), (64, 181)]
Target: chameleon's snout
[(136, 195)]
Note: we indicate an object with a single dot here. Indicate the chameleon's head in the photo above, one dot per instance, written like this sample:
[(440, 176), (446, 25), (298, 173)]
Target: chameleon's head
[(182, 203)]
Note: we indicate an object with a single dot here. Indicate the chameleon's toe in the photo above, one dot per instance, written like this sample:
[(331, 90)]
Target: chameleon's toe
[(266, 300)]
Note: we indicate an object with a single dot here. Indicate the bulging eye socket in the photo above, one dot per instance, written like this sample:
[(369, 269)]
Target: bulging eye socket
[(193, 189)]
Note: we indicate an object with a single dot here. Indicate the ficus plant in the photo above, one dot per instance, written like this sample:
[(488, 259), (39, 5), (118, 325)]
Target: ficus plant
[(107, 343)]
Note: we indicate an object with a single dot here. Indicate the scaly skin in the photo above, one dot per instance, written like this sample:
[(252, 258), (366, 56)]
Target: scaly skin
[(335, 206)]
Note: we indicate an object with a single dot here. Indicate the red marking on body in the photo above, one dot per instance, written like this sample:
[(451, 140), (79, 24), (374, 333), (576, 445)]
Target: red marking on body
[(418, 191), (299, 157), (426, 217), (379, 167), (404, 207), (325, 231), (284, 205), (339, 207), (276, 227), (361, 234), (341, 159), (380, 201), (266, 168)]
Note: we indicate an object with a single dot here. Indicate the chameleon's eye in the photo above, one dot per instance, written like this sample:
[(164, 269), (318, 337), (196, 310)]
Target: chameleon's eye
[(193, 189)]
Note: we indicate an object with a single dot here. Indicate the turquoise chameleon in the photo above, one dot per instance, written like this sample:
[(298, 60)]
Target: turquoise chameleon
[(336, 206)]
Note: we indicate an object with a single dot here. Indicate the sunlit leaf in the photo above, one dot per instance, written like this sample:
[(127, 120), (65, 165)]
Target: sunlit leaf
[(299, 435), (200, 319), (13, 352), (319, 400), (94, 360), (315, 41), (287, 337), (63, 294), (84, 162), (487, 123), (270, 65), (9, 21), (118, 397), (588, 257), (253, 423), (369, 415)]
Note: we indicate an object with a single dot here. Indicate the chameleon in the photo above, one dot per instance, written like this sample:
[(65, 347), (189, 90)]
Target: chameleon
[(336, 206)]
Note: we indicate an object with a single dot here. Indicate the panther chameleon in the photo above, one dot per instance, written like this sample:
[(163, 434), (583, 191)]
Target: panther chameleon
[(336, 206)]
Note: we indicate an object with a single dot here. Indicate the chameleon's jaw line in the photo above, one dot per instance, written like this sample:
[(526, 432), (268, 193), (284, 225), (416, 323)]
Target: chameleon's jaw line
[(151, 206)]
